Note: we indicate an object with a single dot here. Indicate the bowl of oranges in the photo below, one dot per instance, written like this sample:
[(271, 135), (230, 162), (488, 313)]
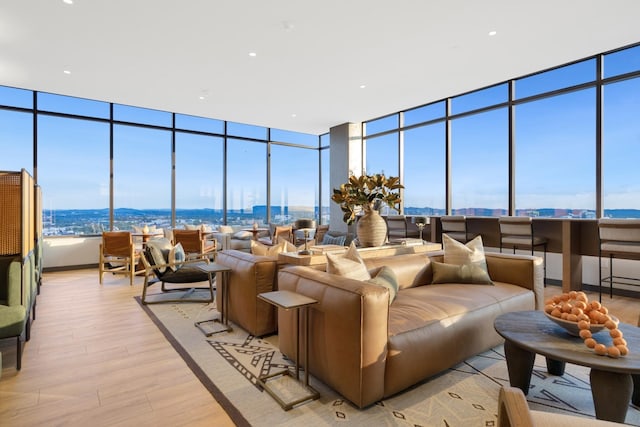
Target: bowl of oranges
[(583, 318)]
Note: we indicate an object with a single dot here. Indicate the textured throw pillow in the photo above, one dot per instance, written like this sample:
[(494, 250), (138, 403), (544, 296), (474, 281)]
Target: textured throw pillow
[(387, 279), (243, 235), (258, 248), (159, 249), (331, 240), (349, 264), (459, 254), (176, 257), (225, 229), (465, 273)]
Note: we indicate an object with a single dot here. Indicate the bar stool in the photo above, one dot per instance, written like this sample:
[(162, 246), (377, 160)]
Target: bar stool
[(618, 238), (455, 226), (517, 232)]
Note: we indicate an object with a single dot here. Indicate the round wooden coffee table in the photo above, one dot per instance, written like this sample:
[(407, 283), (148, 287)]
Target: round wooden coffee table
[(614, 382)]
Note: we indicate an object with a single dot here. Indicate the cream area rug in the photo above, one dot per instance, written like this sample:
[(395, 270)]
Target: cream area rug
[(229, 363)]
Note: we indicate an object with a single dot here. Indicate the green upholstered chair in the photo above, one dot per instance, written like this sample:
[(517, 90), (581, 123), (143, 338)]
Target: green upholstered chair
[(14, 302)]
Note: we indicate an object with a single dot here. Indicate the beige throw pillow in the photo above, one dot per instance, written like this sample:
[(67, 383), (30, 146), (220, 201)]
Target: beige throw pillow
[(349, 264), (459, 254), (258, 248)]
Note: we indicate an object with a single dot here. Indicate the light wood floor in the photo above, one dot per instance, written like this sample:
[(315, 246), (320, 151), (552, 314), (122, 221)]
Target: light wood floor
[(95, 358)]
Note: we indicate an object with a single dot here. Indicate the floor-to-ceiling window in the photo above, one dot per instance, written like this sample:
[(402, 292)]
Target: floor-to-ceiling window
[(294, 176), (72, 168), (246, 182), (621, 135), (555, 156), (199, 175)]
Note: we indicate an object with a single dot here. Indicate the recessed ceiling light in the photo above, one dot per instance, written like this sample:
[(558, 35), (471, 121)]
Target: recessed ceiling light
[(67, 1), (67, 71), (294, 115), (363, 86), (253, 54), (493, 33)]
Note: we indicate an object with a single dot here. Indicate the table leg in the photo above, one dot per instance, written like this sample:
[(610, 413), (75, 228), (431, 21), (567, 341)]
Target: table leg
[(519, 365), (306, 346), (611, 393), (635, 398), (297, 343), (555, 367)]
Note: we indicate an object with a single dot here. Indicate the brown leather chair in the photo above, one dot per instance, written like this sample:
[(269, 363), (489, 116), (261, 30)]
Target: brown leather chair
[(194, 244), (117, 254)]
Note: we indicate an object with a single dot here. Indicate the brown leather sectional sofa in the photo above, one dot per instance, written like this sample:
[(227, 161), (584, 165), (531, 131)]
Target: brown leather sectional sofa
[(367, 350), (250, 275)]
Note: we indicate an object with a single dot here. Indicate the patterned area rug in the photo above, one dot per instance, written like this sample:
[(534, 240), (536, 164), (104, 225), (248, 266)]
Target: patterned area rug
[(229, 363)]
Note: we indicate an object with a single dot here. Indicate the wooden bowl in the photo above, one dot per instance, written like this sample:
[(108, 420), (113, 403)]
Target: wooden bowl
[(572, 327)]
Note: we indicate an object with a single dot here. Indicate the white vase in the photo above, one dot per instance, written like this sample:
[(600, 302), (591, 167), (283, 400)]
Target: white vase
[(371, 229)]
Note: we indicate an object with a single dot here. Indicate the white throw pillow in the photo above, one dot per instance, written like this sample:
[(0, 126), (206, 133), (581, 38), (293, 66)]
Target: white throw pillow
[(458, 253), (349, 264), (176, 257), (243, 235)]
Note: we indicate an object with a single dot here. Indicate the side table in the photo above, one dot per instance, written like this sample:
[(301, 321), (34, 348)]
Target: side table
[(213, 268), (288, 300)]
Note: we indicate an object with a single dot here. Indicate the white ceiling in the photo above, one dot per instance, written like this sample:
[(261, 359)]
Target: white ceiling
[(312, 56)]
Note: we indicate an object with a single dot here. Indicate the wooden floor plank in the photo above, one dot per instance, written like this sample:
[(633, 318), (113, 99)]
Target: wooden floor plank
[(95, 358)]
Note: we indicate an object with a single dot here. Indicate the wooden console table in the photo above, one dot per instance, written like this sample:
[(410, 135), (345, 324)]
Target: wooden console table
[(293, 258)]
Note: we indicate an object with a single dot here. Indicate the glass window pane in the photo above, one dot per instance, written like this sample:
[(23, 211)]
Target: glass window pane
[(382, 155), (424, 170), (246, 182), (126, 113), (325, 196), (570, 75), (424, 114), (480, 164), (325, 140), (71, 105), (141, 177), (383, 124), (16, 141), (247, 131), (307, 139), (199, 173), (201, 124), (555, 156), (621, 62), (73, 170), (16, 97), (480, 98), (292, 199), (621, 144)]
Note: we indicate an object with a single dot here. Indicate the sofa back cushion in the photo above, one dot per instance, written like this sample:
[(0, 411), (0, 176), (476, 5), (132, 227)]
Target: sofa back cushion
[(410, 269)]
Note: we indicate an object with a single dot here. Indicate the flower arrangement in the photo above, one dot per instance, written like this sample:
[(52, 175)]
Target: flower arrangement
[(367, 192)]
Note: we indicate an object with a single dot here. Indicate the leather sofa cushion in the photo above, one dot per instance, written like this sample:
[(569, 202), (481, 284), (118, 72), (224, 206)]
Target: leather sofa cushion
[(416, 307)]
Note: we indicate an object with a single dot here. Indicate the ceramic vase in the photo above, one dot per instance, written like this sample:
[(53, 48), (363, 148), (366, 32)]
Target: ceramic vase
[(371, 229)]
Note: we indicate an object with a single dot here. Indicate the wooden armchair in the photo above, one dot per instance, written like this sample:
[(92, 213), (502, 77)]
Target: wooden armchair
[(281, 231), (194, 244), (118, 255)]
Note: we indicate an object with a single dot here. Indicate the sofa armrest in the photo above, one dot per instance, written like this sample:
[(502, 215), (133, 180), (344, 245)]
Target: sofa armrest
[(250, 275), (348, 331), (522, 270)]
